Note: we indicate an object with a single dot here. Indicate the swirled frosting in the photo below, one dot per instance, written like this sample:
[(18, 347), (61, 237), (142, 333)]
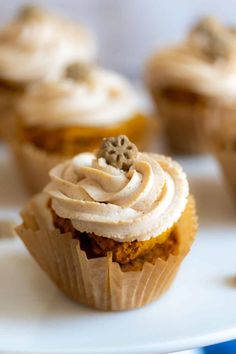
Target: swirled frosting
[(105, 98), (187, 66), (137, 205), (35, 47)]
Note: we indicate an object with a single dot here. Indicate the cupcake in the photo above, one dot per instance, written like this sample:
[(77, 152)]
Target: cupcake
[(60, 118), (112, 227), (35, 45), (185, 79)]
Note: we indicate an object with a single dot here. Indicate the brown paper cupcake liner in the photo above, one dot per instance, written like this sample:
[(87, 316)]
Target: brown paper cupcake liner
[(34, 165), (9, 100), (219, 123), (182, 124), (227, 162), (221, 133), (100, 282)]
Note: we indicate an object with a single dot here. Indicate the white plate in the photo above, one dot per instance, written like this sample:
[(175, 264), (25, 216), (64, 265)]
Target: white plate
[(198, 310)]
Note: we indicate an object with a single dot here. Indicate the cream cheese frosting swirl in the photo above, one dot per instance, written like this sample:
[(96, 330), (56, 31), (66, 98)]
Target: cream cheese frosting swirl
[(36, 46), (187, 66), (125, 206), (106, 98)]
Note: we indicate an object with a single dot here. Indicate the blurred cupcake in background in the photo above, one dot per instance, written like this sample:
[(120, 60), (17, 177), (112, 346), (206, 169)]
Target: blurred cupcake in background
[(221, 133), (113, 227), (184, 80), (35, 45), (60, 118)]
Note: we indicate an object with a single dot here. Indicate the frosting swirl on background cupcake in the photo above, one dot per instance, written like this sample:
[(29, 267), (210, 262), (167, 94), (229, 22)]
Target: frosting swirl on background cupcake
[(103, 98), (36, 44), (205, 62), (137, 204)]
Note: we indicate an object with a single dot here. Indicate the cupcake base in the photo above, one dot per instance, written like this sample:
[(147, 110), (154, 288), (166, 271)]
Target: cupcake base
[(9, 98), (182, 121), (227, 161), (221, 134), (34, 165), (100, 282)]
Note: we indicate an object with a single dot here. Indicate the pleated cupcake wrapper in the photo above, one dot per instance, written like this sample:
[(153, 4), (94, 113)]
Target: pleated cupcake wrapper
[(100, 282), (227, 161), (220, 122), (220, 130), (182, 123), (34, 165), (8, 107)]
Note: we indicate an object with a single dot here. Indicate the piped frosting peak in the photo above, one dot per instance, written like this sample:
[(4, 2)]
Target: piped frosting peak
[(137, 203)]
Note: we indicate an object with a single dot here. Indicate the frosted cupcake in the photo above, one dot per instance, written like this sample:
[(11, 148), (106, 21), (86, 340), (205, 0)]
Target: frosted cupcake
[(185, 79), (113, 227), (60, 118), (35, 45)]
